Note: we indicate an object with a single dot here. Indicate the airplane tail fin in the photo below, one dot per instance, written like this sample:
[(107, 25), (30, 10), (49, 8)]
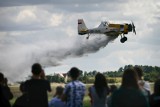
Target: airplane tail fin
[(82, 29)]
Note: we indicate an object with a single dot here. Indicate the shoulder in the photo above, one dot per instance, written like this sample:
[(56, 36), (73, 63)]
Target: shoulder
[(54, 99), (52, 102), (44, 81), (27, 81), (91, 87), (119, 90), (68, 84), (116, 95), (37, 82), (123, 91), (80, 83)]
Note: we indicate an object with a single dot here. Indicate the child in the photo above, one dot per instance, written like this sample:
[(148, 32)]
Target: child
[(56, 101), (112, 89), (21, 101)]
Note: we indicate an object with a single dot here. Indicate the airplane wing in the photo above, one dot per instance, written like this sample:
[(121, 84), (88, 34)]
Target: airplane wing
[(112, 38)]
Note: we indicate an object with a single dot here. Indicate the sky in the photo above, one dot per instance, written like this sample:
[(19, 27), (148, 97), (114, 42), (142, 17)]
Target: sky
[(45, 31)]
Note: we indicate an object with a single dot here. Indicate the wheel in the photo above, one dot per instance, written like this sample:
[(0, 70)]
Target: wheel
[(122, 40), (87, 37), (125, 38)]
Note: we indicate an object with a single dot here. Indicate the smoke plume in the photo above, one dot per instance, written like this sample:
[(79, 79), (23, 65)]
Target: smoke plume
[(17, 56)]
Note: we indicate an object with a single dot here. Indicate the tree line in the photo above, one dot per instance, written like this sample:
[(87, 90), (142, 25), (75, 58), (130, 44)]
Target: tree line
[(151, 73)]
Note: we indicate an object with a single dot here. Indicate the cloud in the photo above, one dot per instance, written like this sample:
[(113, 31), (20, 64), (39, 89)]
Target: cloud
[(29, 18), (8, 3), (26, 16), (45, 31)]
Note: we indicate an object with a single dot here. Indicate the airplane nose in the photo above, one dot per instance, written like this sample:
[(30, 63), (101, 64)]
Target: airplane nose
[(130, 28)]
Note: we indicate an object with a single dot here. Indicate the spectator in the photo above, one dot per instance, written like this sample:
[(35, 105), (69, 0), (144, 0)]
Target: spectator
[(5, 93), (21, 101), (155, 97), (56, 101), (37, 88), (113, 88), (145, 86), (129, 93), (99, 91), (75, 90)]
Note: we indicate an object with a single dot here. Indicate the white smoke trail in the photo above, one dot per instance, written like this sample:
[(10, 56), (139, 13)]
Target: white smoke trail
[(17, 57)]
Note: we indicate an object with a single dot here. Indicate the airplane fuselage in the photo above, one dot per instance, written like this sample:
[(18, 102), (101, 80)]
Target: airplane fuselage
[(107, 29)]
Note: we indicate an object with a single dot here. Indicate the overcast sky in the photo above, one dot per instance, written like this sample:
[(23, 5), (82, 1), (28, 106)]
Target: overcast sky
[(45, 31)]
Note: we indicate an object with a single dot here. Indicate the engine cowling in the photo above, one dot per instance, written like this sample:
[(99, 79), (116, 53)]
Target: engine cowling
[(130, 28)]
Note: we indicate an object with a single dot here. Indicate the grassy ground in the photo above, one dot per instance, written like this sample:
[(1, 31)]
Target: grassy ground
[(17, 93)]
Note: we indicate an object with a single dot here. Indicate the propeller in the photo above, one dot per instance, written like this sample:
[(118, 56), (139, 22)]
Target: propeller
[(133, 27)]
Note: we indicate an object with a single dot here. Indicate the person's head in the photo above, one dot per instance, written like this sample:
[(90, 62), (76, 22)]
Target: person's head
[(113, 88), (130, 79), (139, 72), (100, 80), (1, 77), (157, 87), (74, 73), (100, 84), (59, 91), (36, 69)]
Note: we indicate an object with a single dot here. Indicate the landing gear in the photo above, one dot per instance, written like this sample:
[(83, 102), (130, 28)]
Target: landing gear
[(88, 36), (123, 39)]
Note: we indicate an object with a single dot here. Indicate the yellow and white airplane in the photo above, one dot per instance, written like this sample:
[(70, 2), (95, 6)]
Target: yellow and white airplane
[(108, 29)]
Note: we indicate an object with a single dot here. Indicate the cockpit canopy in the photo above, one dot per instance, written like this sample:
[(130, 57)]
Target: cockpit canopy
[(103, 24)]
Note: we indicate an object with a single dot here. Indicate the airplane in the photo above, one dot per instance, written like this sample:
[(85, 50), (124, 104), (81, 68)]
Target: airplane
[(108, 29)]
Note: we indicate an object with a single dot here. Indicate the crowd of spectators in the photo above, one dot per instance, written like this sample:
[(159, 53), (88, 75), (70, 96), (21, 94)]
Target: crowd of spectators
[(133, 91)]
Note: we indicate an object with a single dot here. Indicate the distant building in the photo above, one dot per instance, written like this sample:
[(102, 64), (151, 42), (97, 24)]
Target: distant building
[(63, 75), (52, 77)]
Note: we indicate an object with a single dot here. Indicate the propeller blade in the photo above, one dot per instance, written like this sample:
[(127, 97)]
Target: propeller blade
[(134, 30)]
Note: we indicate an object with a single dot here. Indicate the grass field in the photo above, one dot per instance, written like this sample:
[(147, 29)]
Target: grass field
[(17, 93)]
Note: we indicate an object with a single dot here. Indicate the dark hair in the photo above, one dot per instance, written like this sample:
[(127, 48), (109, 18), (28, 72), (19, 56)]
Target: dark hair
[(139, 72), (36, 69), (157, 87), (74, 72), (1, 77), (130, 79), (100, 84), (59, 90)]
